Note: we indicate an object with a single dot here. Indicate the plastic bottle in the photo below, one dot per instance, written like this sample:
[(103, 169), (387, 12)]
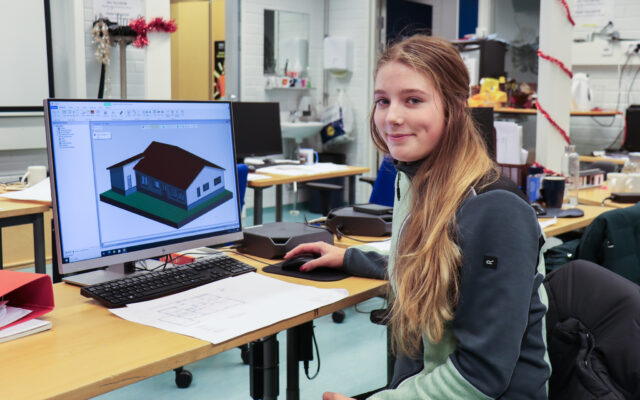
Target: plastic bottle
[(571, 170)]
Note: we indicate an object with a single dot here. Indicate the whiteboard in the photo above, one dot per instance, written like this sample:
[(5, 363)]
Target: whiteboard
[(24, 79)]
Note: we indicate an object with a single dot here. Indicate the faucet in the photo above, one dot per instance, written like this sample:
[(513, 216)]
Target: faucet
[(293, 116)]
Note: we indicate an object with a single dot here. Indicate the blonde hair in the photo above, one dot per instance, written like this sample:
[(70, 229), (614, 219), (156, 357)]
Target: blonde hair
[(427, 266)]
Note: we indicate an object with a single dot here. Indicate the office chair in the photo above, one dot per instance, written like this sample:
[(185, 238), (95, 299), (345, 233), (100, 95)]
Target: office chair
[(243, 174), (593, 331), (382, 185), (184, 377), (613, 241)]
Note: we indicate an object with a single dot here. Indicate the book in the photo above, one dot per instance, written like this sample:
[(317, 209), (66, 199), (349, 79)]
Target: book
[(22, 329)]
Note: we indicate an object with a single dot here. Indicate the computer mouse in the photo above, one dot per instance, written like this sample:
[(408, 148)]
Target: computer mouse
[(294, 263), (538, 209)]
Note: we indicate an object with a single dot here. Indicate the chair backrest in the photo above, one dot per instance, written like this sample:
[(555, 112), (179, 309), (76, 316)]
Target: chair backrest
[(593, 333), (243, 174), (382, 192), (613, 241)]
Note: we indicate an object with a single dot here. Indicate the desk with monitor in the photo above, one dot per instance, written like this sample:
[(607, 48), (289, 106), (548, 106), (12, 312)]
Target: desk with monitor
[(90, 351), (278, 180), (133, 180)]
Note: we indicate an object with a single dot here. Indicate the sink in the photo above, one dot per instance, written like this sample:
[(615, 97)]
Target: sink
[(300, 130)]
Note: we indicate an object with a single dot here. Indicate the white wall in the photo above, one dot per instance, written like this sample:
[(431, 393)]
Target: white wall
[(252, 79), (135, 58), (587, 133), (354, 19)]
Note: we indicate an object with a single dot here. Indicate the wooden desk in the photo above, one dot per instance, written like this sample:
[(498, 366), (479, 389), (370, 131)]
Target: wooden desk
[(531, 111), (563, 225), (594, 196), (278, 180), (13, 212), (90, 351)]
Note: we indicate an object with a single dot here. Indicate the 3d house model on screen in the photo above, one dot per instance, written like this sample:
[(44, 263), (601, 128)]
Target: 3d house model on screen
[(171, 185)]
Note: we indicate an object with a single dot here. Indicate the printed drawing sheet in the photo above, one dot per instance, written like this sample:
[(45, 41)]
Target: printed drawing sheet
[(228, 308)]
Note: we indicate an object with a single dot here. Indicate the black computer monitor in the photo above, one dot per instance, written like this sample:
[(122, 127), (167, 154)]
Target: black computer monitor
[(257, 129), (137, 179), (483, 119)]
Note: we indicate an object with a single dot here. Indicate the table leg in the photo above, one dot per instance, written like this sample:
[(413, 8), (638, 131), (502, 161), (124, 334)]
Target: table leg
[(257, 206), (38, 244), (293, 370), (278, 203), (352, 189)]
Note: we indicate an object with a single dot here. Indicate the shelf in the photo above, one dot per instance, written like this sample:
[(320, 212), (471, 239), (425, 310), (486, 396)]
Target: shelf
[(618, 161), (289, 88), (531, 111)]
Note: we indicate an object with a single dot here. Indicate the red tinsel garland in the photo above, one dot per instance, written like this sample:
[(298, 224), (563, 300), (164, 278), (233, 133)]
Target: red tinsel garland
[(555, 61), (566, 7), (140, 27), (553, 123)]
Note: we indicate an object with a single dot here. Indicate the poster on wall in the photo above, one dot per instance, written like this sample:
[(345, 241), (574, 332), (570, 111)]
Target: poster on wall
[(593, 14), (218, 70), (118, 11)]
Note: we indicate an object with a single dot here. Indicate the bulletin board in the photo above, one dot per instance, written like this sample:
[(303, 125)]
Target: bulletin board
[(26, 70)]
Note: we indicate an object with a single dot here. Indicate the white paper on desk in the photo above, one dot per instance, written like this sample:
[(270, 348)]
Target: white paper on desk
[(508, 142), (41, 191), (544, 223), (231, 307), (12, 314), (256, 177), (298, 170)]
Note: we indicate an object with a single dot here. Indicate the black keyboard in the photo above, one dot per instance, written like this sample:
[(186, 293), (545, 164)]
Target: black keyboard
[(151, 285)]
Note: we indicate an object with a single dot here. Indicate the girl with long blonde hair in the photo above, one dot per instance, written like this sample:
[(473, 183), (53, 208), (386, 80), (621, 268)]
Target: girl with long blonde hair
[(468, 306)]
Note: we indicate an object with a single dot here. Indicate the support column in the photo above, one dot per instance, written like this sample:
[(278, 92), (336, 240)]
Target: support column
[(157, 60), (554, 85), (485, 18)]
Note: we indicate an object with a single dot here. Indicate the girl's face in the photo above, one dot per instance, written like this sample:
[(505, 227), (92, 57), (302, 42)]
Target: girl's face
[(409, 112)]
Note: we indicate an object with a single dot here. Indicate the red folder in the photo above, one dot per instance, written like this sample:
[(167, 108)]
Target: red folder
[(26, 290)]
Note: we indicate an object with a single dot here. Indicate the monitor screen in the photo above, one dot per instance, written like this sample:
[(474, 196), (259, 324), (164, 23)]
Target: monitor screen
[(257, 129), (138, 179)]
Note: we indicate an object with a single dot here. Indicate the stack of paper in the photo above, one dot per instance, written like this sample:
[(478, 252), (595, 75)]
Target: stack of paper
[(509, 143), (41, 191), (230, 307), (24, 329), (297, 170)]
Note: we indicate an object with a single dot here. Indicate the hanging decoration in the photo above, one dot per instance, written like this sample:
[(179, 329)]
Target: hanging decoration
[(141, 28), (562, 66), (100, 35)]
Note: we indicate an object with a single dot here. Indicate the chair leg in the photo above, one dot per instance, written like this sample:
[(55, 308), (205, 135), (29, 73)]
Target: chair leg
[(183, 377)]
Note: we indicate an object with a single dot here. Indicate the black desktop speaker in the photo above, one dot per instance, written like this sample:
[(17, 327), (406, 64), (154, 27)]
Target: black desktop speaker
[(363, 219), (483, 118), (632, 128), (275, 239)]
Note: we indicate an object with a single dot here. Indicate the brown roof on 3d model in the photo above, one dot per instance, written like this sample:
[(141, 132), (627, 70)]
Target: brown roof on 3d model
[(170, 164)]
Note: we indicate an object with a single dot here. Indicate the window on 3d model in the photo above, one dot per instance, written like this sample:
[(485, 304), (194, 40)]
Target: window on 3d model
[(217, 181), (205, 187), (198, 191)]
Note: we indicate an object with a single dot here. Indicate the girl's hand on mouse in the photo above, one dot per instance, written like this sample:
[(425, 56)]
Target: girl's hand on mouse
[(334, 396), (330, 256)]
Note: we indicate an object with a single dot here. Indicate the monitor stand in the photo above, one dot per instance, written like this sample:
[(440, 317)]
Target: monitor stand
[(110, 273)]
